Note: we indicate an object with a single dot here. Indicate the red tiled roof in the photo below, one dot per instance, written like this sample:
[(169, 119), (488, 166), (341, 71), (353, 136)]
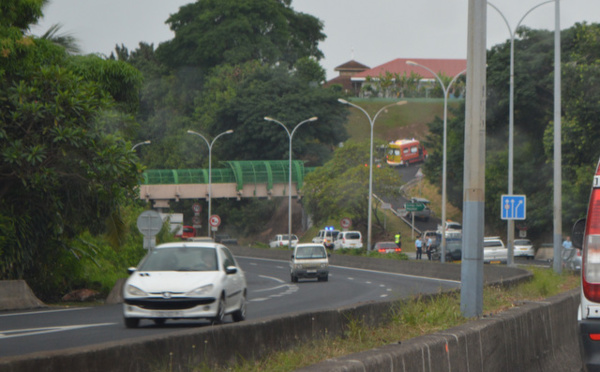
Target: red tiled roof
[(450, 67)]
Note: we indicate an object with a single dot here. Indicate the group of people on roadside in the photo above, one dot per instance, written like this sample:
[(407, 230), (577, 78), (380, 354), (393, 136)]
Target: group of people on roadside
[(421, 243)]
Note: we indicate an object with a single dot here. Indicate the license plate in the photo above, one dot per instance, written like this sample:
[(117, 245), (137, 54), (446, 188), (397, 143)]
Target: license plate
[(167, 314), (311, 271)]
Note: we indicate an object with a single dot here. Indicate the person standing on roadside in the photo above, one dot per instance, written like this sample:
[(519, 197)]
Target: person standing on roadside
[(428, 247), (567, 244), (419, 246), (397, 239)]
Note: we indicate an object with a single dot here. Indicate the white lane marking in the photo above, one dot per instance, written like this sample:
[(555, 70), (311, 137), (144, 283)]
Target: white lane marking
[(272, 278), (38, 331), (383, 296), (44, 311), (366, 270), (289, 289)]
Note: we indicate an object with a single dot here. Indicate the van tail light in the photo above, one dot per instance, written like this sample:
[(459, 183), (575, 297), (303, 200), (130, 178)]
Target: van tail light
[(591, 244)]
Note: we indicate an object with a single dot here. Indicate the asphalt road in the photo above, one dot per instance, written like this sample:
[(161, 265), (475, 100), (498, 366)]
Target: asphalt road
[(270, 293)]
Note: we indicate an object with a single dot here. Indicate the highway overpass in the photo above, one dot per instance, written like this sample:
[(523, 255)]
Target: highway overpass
[(235, 179)]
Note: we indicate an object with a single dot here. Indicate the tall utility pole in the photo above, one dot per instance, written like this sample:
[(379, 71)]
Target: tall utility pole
[(557, 149), (471, 293)]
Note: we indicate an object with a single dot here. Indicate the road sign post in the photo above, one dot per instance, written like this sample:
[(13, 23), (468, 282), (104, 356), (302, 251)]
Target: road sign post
[(149, 223), (513, 207)]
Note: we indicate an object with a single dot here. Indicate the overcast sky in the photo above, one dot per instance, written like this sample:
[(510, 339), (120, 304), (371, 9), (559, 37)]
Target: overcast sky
[(371, 32)]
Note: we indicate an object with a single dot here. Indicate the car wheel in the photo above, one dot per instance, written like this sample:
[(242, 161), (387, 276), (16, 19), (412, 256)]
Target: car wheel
[(294, 278), (240, 314), (132, 322), (218, 319), (159, 321), (325, 277)]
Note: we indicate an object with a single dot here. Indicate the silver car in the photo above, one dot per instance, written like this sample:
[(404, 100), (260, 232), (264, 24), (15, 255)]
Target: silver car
[(523, 248)]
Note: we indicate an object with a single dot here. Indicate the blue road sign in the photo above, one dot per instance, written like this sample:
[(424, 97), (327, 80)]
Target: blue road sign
[(513, 207)]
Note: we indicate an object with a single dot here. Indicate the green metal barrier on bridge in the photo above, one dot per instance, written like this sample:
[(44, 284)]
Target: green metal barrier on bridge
[(236, 171)]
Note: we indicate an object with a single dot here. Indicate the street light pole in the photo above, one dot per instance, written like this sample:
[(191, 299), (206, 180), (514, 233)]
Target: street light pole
[(372, 124), (511, 114), (141, 143), (444, 162), (290, 135), (210, 145)]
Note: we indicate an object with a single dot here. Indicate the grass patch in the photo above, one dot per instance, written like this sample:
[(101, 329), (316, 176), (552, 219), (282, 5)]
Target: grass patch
[(410, 319)]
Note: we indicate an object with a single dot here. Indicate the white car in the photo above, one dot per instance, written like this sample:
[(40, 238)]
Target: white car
[(523, 248), (309, 261), (185, 280), (348, 240), (283, 240), (494, 250)]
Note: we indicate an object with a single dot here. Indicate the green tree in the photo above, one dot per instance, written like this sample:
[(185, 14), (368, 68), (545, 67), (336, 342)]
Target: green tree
[(209, 33), (340, 187), (239, 97), (62, 169)]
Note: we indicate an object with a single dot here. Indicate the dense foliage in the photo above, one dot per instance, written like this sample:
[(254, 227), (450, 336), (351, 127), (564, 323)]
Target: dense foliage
[(533, 146), (63, 170), (340, 188)]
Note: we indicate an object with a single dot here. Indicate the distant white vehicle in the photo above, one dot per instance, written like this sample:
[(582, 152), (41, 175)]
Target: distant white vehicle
[(494, 250), (453, 230), (283, 240), (348, 240)]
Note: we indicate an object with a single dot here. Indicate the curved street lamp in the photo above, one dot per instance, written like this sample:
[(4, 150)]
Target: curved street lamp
[(511, 114), (446, 89), (372, 124), (210, 145), (141, 143), (290, 135)]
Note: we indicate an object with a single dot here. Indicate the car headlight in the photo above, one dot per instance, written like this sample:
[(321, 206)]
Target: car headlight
[(298, 267), (135, 291), (323, 265), (201, 291)]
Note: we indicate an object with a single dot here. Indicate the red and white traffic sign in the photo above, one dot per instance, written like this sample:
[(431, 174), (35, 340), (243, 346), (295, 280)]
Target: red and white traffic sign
[(215, 220), (346, 223), (197, 208)]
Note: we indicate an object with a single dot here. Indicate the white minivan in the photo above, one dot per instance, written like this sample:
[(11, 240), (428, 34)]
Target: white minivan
[(348, 240)]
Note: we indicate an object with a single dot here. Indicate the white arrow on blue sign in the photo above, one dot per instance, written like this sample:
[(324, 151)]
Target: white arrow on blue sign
[(513, 207)]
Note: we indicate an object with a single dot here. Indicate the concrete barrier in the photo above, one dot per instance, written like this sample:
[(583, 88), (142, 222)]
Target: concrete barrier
[(538, 335), (16, 295), (534, 337)]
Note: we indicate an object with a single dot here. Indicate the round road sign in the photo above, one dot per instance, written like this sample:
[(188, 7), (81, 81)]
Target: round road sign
[(346, 223), (149, 223), (197, 208), (215, 220)]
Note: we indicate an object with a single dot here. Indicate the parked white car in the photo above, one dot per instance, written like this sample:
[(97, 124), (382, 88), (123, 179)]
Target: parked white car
[(283, 240), (309, 260), (348, 240), (494, 251), (523, 248), (185, 280)]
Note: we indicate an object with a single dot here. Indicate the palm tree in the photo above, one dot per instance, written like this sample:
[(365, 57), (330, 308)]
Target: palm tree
[(65, 40)]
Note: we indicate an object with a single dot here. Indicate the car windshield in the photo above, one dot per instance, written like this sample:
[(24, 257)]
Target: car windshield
[(180, 259), (315, 251), (352, 236), (522, 242), (287, 237)]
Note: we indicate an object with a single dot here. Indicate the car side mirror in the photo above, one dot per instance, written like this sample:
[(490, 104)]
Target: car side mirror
[(328, 254), (230, 270), (131, 270), (578, 232), (292, 257)]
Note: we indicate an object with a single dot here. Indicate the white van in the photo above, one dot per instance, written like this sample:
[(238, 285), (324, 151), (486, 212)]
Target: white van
[(348, 240), (310, 260)]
